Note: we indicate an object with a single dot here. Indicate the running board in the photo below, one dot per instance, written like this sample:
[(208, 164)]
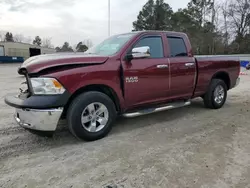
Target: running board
[(158, 109)]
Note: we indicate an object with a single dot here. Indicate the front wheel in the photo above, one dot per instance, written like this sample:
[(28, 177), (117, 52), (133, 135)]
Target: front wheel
[(216, 95), (91, 115)]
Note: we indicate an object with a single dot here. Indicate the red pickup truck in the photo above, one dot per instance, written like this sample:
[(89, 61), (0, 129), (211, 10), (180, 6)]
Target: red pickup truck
[(126, 75)]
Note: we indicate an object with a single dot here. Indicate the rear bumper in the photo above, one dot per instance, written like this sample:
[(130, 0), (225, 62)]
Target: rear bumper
[(40, 120), (237, 82)]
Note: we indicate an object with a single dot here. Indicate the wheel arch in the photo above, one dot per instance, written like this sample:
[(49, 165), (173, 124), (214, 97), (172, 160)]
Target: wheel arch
[(223, 76), (95, 87)]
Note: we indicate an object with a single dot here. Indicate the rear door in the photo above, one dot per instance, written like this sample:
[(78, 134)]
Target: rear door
[(182, 68), (147, 80)]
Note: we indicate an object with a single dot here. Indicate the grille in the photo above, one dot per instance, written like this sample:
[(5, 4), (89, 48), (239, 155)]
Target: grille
[(24, 88)]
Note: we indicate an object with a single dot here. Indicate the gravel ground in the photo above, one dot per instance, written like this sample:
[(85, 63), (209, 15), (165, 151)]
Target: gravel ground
[(186, 147)]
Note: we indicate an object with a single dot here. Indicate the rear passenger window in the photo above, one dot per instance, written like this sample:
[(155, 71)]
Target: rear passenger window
[(177, 47), (155, 44)]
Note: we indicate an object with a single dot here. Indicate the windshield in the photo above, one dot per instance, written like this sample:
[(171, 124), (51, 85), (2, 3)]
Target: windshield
[(111, 45)]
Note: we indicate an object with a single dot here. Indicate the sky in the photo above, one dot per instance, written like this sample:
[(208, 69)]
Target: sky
[(71, 20)]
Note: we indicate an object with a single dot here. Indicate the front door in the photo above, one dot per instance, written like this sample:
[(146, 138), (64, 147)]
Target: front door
[(147, 80)]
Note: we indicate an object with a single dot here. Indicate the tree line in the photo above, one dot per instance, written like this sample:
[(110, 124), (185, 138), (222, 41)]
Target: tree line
[(80, 47), (46, 42), (9, 37), (213, 27)]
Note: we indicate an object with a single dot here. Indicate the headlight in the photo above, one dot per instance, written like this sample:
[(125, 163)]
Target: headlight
[(46, 86)]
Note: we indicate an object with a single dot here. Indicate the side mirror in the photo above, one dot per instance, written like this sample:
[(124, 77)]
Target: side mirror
[(141, 52)]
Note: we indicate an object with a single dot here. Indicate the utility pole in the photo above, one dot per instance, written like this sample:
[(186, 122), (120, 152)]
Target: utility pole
[(213, 12), (213, 23), (109, 18)]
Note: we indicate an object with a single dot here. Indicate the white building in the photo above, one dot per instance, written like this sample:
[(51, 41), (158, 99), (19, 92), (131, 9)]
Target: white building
[(22, 50)]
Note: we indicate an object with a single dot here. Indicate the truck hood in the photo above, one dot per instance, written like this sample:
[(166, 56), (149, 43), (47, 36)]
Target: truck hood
[(42, 62)]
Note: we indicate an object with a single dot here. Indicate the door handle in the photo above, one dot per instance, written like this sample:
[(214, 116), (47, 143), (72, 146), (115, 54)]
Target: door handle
[(162, 66), (189, 64)]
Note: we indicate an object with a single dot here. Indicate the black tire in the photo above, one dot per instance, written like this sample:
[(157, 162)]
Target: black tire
[(248, 66), (76, 108), (209, 98)]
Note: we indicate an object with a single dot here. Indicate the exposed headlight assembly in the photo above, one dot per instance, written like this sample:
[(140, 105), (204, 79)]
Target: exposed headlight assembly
[(46, 86)]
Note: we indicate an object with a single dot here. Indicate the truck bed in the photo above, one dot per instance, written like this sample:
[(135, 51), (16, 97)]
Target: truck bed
[(208, 66)]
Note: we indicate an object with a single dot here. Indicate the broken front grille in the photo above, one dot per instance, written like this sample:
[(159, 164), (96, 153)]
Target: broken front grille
[(25, 89)]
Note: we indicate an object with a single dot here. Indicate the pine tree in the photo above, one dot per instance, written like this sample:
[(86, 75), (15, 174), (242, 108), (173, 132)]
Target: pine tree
[(154, 16), (37, 41), (146, 17), (163, 15), (9, 37), (81, 47)]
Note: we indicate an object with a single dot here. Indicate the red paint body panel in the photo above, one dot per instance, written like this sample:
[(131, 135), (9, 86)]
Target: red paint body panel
[(153, 86), (39, 63), (209, 66), (182, 77), (105, 74)]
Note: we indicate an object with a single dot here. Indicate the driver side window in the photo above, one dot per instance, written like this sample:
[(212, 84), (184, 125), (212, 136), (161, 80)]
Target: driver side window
[(155, 45)]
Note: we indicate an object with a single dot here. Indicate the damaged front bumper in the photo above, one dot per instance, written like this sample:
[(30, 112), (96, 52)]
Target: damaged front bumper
[(39, 113), (39, 120)]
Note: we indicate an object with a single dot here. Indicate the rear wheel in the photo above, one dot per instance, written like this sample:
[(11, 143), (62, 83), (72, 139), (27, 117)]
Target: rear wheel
[(91, 115), (216, 95)]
